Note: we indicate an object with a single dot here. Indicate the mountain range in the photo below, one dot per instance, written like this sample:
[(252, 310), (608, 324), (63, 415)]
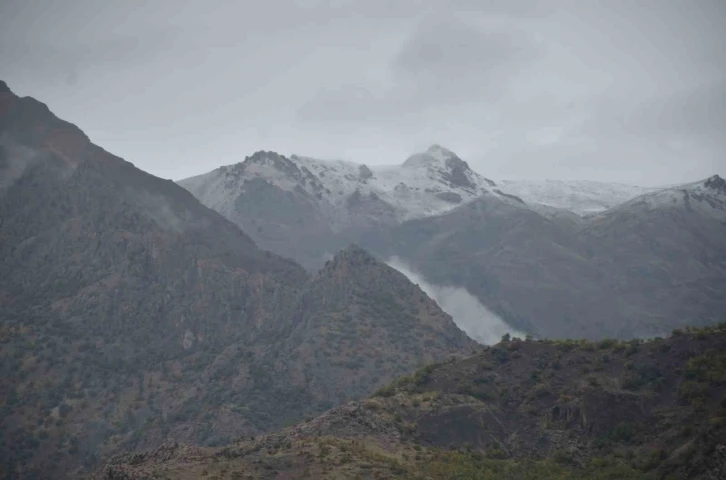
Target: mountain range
[(553, 259), (131, 314)]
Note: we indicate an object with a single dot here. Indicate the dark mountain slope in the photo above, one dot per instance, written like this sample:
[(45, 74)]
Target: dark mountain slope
[(359, 324), (111, 278), (131, 314), (643, 268), (518, 410), (666, 253), (530, 270)]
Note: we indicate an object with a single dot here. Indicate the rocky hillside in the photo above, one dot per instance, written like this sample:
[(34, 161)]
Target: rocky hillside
[(131, 314), (517, 410), (359, 324)]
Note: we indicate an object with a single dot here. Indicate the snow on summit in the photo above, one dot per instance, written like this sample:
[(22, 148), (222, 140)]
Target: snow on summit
[(707, 197), (427, 183)]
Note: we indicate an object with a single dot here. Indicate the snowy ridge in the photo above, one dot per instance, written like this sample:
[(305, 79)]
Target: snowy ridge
[(427, 183), (707, 197), (581, 197)]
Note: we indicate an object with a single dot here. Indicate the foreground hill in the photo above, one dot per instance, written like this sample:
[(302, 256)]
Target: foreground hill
[(517, 410), (131, 314)]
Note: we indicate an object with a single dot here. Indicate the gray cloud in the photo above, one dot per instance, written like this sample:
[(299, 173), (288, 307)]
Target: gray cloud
[(443, 62), (693, 111), (447, 48), (614, 91)]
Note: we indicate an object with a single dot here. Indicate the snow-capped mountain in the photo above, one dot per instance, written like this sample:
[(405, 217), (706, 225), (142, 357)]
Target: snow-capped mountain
[(666, 254), (345, 193), (555, 257), (642, 268), (707, 197), (308, 208), (581, 197)]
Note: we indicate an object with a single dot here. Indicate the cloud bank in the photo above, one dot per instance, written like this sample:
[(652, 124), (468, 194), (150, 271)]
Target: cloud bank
[(467, 311), (620, 91)]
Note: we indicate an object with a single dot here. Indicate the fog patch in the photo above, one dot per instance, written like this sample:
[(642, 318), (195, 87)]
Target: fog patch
[(15, 159), (467, 311), (161, 210)]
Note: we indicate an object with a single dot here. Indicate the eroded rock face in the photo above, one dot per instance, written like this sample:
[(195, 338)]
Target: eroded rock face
[(459, 172)]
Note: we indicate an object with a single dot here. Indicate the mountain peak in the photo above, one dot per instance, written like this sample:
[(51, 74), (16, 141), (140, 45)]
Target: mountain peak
[(434, 156), (354, 254), (4, 87), (452, 168), (263, 159), (262, 155), (441, 152), (716, 183)]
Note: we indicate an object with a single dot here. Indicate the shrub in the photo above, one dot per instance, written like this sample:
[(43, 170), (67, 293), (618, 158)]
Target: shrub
[(709, 367), (693, 392), (623, 432)]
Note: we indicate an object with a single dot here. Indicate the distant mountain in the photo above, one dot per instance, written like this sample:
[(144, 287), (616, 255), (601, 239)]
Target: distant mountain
[(131, 314), (541, 410), (306, 208), (665, 252), (541, 255), (578, 196), (532, 271), (642, 268)]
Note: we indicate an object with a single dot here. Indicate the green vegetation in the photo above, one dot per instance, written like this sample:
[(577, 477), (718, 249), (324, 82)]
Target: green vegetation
[(462, 466), (703, 374)]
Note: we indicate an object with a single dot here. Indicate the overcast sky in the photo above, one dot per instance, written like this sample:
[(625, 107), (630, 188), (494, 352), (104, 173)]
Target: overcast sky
[(627, 91)]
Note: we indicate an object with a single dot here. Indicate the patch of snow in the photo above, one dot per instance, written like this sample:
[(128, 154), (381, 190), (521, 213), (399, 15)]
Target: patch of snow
[(579, 196)]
